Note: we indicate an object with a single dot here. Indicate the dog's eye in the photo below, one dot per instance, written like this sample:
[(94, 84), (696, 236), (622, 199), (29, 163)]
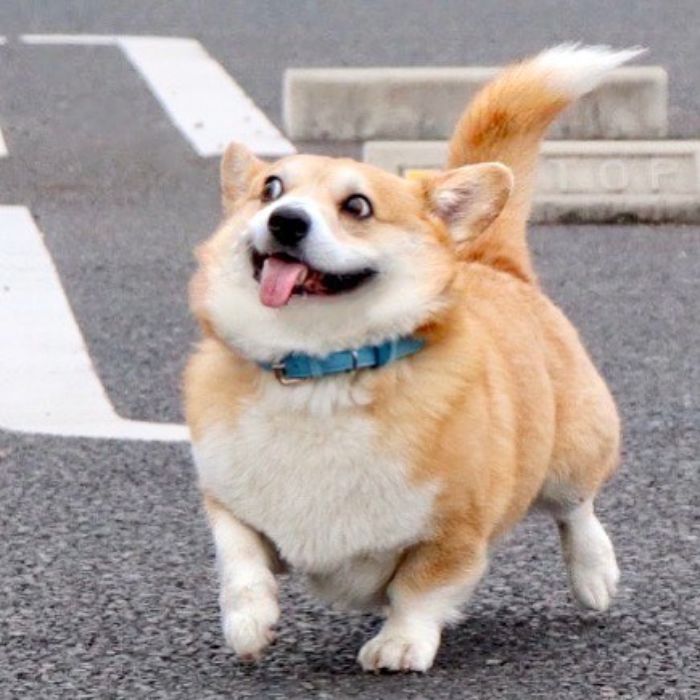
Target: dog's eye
[(357, 205), (272, 189)]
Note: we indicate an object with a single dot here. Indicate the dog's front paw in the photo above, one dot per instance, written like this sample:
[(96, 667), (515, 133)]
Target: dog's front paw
[(400, 650), (248, 620)]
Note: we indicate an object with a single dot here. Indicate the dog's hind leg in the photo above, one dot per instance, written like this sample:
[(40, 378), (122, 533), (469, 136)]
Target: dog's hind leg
[(588, 554), (585, 455)]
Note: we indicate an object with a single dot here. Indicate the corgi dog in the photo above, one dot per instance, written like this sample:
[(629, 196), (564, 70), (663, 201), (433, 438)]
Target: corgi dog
[(383, 389)]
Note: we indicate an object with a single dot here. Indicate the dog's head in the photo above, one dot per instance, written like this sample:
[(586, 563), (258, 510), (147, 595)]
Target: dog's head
[(319, 254)]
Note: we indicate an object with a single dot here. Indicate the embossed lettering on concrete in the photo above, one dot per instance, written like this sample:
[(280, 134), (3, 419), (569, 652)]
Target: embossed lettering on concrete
[(594, 181), (573, 173)]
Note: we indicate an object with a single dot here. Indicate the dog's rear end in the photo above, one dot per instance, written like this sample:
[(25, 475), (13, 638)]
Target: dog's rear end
[(506, 122)]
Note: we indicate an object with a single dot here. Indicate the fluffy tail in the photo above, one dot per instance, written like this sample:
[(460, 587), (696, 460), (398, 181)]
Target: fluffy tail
[(506, 122)]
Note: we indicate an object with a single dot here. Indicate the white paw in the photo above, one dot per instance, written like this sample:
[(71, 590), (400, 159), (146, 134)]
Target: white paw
[(594, 587), (248, 618), (400, 651), (594, 574)]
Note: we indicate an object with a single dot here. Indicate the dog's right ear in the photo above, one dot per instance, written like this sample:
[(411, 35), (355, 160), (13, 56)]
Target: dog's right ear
[(238, 167)]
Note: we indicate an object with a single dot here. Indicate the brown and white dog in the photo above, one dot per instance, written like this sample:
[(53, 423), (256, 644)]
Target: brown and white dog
[(388, 486)]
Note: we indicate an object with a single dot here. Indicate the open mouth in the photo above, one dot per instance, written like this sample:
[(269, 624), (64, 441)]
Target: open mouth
[(282, 276)]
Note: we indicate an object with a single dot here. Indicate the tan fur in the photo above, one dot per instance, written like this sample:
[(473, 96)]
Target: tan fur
[(503, 406), (216, 383), (506, 122)]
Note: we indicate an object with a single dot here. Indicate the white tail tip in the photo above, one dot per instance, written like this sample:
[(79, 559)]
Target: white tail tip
[(577, 69)]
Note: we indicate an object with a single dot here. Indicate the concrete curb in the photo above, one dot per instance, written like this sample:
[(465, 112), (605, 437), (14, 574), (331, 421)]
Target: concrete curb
[(587, 181), (359, 104)]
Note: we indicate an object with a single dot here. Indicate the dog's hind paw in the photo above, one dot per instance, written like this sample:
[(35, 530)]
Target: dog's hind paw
[(593, 570), (595, 586)]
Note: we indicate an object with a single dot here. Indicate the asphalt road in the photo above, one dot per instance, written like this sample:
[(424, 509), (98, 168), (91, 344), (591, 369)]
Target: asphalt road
[(107, 586)]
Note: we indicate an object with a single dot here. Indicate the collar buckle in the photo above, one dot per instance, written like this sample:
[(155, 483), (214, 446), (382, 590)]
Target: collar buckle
[(355, 362), (279, 369)]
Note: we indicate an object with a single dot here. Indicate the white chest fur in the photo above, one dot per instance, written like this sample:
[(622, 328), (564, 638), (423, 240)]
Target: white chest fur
[(304, 466)]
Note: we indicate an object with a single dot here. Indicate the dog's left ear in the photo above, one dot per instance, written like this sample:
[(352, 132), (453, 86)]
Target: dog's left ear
[(469, 198), (238, 167)]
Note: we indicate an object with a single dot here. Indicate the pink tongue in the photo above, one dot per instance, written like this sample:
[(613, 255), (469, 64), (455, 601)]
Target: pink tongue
[(277, 281)]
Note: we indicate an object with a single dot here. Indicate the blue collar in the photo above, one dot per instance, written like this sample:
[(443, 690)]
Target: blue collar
[(296, 367)]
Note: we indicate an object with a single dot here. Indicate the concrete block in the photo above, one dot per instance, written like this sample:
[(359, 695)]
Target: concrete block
[(587, 181), (359, 104)]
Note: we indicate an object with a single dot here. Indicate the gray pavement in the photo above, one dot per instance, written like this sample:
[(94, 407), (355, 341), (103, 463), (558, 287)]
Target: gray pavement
[(106, 568)]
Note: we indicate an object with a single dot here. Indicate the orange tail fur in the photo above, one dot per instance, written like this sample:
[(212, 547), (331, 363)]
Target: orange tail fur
[(506, 122)]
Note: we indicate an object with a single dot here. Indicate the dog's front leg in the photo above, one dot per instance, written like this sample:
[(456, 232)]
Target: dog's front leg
[(434, 580), (248, 598)]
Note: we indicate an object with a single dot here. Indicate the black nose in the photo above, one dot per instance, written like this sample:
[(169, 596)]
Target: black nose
[(288, 225)]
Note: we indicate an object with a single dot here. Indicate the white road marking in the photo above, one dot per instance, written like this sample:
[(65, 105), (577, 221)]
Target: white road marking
[(3, 146), (67, 39), (204, 102), (49, 384)]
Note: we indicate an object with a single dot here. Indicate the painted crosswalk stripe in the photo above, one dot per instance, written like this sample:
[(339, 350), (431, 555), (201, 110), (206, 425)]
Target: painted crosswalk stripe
[(71, 39), (3, 146), (204, 102), (49, 384)]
